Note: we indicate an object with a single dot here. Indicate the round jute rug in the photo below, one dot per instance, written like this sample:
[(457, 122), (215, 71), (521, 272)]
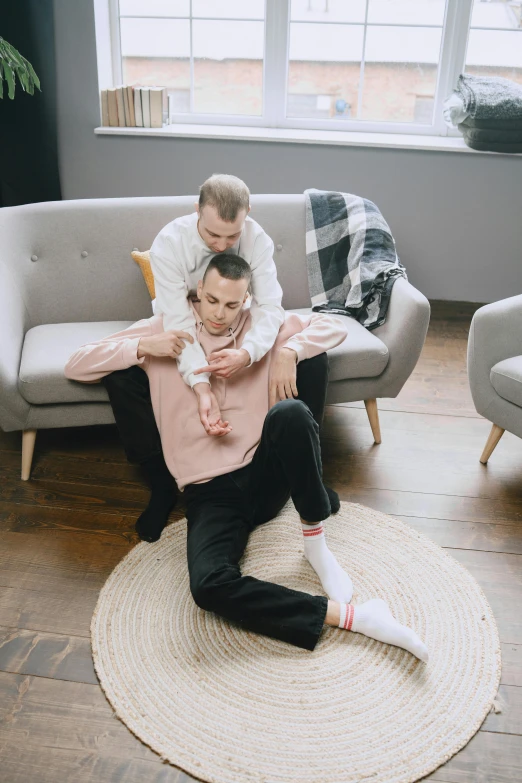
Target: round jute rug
[(231, 706)]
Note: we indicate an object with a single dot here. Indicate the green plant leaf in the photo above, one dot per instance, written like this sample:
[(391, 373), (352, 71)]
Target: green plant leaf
[(33, 75), (24, 79), (14, 65), (9, 79)]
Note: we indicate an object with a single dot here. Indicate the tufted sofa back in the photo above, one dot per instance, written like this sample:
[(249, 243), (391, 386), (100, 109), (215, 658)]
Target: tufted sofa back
[(70, 260)]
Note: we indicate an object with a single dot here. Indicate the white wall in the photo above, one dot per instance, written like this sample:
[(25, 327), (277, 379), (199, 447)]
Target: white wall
[(456, 217)]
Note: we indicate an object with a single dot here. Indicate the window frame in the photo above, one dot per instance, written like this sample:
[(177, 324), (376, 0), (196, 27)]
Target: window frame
[(455, 32)]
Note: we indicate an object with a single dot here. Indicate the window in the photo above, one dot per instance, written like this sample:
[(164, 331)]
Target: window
[(366, 65), (495, 39)]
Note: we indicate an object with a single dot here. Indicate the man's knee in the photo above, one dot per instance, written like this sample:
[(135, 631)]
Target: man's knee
[(122, 379), (209, 590), (288, 413), (317, 362)]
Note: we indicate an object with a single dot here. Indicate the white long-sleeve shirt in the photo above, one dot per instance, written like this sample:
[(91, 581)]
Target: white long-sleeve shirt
[(179, 257)]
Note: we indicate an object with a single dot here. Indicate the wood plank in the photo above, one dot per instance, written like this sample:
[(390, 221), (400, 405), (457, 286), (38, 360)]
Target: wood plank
[(500, 576), (74, 469), (54, 561), (73, 729), (24, 518), (429, 506), (50, 765), (511, 664), (110, 498), (454, 534), (509, 721), (35, 610), (46, 655), (487, 758)]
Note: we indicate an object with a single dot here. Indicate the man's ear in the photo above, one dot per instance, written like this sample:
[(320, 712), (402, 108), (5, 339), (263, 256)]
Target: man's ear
[(199, 288), (249, 208), (196, 204)]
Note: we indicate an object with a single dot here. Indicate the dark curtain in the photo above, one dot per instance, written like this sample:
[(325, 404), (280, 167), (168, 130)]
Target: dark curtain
[(28, 125)]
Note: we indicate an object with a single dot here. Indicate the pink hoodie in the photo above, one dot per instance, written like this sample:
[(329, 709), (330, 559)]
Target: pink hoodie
[(191, 455)]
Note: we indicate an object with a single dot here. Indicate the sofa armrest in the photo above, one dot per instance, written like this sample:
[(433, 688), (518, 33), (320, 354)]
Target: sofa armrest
[(403, 333), (13, 322), (495, 334)]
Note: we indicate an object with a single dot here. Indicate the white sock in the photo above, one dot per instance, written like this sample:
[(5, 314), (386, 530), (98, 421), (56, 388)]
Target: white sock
[(375, 620), (336, 582)]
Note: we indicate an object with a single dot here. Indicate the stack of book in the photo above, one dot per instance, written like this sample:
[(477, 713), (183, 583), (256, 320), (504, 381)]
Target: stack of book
[(134, 107)]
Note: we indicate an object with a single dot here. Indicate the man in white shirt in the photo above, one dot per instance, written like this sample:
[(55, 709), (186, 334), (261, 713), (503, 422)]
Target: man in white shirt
[(179, 256)]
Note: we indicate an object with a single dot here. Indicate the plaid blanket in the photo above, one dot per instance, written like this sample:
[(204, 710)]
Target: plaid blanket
[(351, 258)]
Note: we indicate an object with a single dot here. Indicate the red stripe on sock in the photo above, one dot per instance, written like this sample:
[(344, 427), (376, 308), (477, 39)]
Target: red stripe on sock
[(317, 532), (349, 617)]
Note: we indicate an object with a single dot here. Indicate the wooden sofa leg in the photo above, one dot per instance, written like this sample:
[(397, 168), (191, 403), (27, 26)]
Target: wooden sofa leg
[(28, 439), (494, 437), (373, 415)]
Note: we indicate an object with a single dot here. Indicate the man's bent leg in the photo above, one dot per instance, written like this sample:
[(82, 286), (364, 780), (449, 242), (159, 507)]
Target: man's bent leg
[(288, 461), (129, 395), (219, 523), (312, 386)]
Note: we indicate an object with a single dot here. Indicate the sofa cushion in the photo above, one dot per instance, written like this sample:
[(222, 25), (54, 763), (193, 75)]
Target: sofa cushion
[(361, 355), (45, 353), (47, 349), (506, 379)]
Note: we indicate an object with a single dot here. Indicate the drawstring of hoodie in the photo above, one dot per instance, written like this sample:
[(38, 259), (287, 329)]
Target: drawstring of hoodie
[(230, 331), (233, 336)]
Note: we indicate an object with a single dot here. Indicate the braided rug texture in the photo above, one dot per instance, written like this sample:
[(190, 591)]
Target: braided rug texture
[(231, 706)]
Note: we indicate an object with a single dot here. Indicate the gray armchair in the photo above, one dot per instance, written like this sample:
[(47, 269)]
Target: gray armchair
[(67, 279), (495, 368)]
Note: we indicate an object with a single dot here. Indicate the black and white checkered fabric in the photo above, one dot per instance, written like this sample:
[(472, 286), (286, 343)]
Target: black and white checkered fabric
[(351, 258)]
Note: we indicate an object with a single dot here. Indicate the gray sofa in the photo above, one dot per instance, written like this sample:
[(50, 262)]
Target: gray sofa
[(495, 368), (68, 278)]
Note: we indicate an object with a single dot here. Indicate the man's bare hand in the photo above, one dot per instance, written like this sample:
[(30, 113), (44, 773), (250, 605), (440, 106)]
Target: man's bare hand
[(165, 344), (283, 374), (226, 362), (209, 413)]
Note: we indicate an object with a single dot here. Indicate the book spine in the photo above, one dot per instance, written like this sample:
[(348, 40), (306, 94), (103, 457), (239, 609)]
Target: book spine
[(126, 106), (156, 109), (112, 100), (132, 119), (121, 107), (104, 108), (145, 106), (137, 107)]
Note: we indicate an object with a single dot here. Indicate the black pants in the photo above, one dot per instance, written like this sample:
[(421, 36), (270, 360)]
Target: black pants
[(222, 513), (129, 394)]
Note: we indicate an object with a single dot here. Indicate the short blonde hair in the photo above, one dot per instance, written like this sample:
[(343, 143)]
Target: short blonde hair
[(227, 194)]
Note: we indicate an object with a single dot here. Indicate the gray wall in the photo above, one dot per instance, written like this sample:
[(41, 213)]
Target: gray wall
[(456, 217)]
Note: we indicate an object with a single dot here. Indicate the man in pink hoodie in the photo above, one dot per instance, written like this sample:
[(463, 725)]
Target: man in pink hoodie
[(260, 456)]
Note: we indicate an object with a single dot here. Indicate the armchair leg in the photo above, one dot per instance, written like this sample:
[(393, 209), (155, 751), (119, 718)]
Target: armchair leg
[(373, 416), (28, 439), (494, 437)]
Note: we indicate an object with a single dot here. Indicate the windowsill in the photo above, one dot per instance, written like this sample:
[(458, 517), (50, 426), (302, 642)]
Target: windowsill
[(296, 136)]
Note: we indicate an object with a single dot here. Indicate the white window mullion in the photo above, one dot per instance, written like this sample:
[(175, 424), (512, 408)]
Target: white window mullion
[(191, 97), (114, 20), (361, 72), (453, 55), (277, 47)]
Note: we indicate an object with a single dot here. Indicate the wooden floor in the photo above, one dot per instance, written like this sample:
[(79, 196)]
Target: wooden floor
[(62, 532)]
